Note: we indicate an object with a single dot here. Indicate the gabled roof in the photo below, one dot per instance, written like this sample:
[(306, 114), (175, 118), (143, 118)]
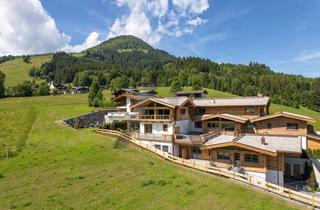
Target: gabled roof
[(239, 101), (171, 102), (273, 144), (224, 116), (284, 114), (191, 92), (134, 97)]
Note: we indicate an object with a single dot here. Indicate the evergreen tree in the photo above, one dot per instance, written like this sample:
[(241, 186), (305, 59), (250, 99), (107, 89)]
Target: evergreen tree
[(175, 85), (2, 89), (196, 82), (95, 97), (43, 89)]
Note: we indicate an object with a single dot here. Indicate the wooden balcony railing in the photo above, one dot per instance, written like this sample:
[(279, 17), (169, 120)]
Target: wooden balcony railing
[(153, 137), (154, 117)]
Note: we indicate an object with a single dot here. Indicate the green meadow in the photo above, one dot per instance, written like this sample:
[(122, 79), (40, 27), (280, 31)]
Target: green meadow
[(16, 70), (57, 167)]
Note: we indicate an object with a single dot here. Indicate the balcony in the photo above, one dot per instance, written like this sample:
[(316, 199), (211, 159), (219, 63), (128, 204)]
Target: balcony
[(153, 137)]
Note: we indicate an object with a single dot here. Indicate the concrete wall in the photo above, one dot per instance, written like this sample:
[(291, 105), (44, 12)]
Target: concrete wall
[(161, 144), (157, 128), (275, 177)]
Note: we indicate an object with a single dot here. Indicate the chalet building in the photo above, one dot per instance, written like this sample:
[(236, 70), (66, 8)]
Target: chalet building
[(192, 94), (233, 133)]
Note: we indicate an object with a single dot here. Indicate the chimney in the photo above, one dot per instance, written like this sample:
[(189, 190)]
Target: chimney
[(213, 101), (263, 140), (259, 95)]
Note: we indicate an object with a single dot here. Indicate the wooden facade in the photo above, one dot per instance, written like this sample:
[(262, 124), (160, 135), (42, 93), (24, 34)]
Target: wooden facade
[(238, 110)]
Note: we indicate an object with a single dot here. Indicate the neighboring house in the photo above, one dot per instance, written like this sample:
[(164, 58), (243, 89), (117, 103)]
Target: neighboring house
[(62, 89), (192, 94), (233, 133), (79, 90), (125, 91)]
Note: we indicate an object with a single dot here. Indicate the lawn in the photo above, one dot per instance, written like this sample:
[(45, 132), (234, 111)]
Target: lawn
[(63, 168), (16, 70)]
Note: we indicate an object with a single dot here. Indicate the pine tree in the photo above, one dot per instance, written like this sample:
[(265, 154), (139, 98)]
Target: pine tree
[(95, 97), (2, 89)]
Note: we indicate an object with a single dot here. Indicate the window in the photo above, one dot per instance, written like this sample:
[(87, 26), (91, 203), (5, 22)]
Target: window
[(250, 125), (198, 124), (212, 125), (163, 112), (157, 146), (249, 110), (228, 127), (148, 128), (165, 148), (222, 155), (236, 156), (201, 110), (250, 158), (165, 127), (269, 125), (148, 112), (292, 126), (182, 111)]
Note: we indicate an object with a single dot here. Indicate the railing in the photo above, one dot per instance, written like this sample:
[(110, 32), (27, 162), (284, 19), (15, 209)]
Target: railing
[(154, 117), (150, 136), (305, 198)]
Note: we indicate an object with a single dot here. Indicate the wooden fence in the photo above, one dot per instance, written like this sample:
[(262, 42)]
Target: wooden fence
[(305, 198)]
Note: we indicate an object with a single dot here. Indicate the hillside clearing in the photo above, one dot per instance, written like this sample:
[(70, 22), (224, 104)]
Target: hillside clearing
[(62, 168), (16, 70)]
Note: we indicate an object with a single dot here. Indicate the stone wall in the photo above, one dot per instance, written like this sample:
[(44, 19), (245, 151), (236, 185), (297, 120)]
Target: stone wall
[(85, 120)]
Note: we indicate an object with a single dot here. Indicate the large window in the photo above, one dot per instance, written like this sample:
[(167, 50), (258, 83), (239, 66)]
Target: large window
[(148, 128), (198, 124), (249, 110), (148, 112), (251, 158), (163, 112), (292, 126), (165, 148), (212, 125), (222, 155), (228, 126)]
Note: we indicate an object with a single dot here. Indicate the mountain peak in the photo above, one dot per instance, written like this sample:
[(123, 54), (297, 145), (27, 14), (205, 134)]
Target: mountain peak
[(123, 43)]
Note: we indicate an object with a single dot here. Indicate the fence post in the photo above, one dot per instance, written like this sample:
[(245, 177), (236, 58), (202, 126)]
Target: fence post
[(313, 200), (234, 173), (267, 186), (194, 163), (219, 170), (249, 179), (289, 193), (207, 167)]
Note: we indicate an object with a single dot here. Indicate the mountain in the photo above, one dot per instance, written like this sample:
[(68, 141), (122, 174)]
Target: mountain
[(128, 51)]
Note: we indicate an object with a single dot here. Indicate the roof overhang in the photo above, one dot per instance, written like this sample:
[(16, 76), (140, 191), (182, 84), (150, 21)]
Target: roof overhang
[(286, 115), (226, 117), (152, 100), (244, 146), (186, 101)]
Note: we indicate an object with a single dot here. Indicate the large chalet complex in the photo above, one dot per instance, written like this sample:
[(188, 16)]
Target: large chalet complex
[(234, 133)]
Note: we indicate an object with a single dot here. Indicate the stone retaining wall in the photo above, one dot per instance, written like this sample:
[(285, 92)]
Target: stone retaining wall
[(85, 120)]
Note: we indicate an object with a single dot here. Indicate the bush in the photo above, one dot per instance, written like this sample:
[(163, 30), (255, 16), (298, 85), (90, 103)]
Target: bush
[(1, 176)]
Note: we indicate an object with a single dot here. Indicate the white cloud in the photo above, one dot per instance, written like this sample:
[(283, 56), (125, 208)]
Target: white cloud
[(307, 56), (150, 20), (91, 41), (27, 28)]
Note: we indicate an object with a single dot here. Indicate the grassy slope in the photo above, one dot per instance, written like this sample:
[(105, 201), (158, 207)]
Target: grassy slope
[(165, 91), (62, 168), (16, 70)]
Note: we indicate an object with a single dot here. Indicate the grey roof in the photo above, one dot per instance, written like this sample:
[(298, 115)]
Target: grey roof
[(192, 92), (175, 101), (273, 143), (239, 101)]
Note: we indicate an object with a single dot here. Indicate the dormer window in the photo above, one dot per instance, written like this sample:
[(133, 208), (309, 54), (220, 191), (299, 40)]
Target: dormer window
[(182, 111)]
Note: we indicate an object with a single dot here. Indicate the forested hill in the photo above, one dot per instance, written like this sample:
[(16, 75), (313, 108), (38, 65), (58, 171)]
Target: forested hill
[(126, 60)]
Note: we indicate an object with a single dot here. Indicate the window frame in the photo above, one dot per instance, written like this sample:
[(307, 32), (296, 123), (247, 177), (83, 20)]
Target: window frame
[(145, 129), (183, 111), (165, 127), (249, 158), (213, 123), (197, 126), (269, 125), (295, 126), (252, 110), (224, 156)]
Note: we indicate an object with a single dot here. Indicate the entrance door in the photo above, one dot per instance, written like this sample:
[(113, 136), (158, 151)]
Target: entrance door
[(287, 169), (236, 157), (147, 128), (196, 152), (296, 171)]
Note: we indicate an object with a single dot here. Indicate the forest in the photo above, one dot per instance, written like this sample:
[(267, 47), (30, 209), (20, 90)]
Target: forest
[(125, 61)]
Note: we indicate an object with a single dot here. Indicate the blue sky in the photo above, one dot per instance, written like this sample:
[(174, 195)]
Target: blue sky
[(282, 34)]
